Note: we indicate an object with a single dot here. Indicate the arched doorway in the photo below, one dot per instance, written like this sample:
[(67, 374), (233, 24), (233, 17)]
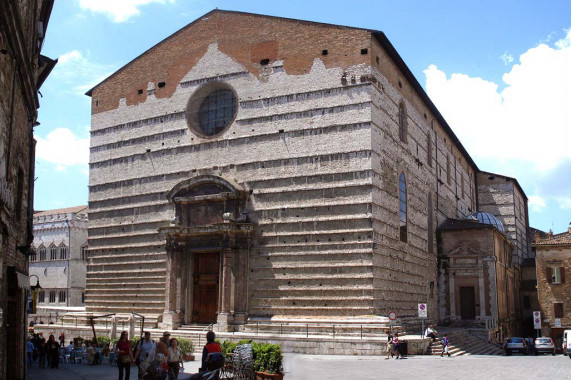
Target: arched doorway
[(207, 245)]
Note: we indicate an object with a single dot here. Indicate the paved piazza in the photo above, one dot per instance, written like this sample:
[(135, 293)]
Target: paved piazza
[(316, 367)]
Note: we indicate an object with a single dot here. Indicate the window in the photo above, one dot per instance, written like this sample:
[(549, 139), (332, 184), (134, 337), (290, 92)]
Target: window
[(526, 302), (430, 228), (84, 252), (211, 109), (62, 252), (62, 296), (42, 253), (448, 171), (558, 310), (34, 256), (556, 275), (52, 296), (41, 297), (402, 208), (429, 149), (53, 252), (402, 122)]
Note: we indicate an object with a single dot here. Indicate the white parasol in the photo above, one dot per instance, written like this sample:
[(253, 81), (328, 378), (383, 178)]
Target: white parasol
[(131, 327), (113, 332)]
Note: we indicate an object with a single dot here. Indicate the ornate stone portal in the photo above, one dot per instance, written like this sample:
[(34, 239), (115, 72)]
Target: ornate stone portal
[(207, 254)]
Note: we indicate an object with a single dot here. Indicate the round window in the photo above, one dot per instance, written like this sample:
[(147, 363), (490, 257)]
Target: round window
[(211, 109)]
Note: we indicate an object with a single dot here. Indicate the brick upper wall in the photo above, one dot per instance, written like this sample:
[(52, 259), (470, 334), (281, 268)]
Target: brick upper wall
[(246, 38)]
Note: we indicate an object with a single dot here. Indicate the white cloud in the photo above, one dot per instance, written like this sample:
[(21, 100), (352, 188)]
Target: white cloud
[(528, 121), (507, 58), (64, 149), (564, 203), (118, 10), (536, 203), (76, 73)]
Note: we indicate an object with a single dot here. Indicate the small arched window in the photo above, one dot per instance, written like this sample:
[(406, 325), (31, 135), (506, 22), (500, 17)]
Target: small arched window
[(402, 122), (402, 208), (42, 249), (53, 252), (62, 251)]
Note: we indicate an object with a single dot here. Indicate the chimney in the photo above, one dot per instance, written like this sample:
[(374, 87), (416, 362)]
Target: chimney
[(550, 233)]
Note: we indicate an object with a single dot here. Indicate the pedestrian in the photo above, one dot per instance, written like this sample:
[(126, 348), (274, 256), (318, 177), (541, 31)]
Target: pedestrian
[(174, 359), (445, 345), (396, 344), (211, 347), (42, 348), (30, 351), (142, 351), (53, 352), (166, 338), (124, 356), (390, 346), (430, 333)]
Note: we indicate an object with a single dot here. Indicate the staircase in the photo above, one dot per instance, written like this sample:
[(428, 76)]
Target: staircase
[(463, 343)]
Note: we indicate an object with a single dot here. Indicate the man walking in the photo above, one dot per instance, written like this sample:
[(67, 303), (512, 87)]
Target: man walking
[(143, 350)]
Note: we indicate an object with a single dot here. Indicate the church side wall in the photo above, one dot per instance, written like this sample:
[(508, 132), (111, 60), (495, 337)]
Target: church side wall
[(405, 273)]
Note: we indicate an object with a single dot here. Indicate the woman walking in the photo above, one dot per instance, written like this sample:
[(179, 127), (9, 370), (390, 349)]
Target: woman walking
[(53, 352), (124, 356), (174, 359)]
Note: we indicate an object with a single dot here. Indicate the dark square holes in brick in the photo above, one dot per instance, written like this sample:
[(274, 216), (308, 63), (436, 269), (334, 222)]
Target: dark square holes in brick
[(324, 52), (264, 61), (140, 92), (364, 51), (281, 131), (161, 84)]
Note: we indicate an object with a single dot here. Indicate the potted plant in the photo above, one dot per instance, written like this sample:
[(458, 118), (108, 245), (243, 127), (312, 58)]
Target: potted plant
[(267, 361), (187, 349)]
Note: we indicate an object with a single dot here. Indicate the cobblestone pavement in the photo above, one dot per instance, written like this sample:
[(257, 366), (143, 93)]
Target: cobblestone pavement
[(321, 367)]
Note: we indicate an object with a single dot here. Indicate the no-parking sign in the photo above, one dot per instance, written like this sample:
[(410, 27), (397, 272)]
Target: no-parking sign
[(537, 320), (422, 310)]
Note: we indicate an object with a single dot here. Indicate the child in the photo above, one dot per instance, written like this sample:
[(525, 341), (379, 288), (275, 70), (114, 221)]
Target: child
[(445, 344)]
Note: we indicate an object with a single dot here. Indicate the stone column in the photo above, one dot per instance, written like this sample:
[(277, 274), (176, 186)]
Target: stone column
[(482, 290), (172, 316), (452, 291), (225, 317), (241, 286)]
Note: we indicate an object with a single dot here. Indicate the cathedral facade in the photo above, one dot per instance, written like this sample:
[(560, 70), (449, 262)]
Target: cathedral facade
[(250, 166)]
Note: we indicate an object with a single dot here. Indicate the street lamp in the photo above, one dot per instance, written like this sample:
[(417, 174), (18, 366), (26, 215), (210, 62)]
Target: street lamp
[(37, 286)]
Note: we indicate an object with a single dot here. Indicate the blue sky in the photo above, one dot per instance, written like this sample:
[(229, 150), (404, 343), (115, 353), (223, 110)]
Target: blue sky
[(499, 72)]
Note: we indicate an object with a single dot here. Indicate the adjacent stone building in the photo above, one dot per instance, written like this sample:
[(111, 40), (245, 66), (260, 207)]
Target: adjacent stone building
[(255, 167), (478, 280), (553, 261), (59, 261), (22, 71)]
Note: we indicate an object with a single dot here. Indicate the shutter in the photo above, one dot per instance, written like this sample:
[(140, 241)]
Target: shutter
[(562, 271), (549, 275)]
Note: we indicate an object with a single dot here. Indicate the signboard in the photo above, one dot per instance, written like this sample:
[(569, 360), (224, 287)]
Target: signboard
[(537, 320), (392, 315), (557, 322), (422, 310)]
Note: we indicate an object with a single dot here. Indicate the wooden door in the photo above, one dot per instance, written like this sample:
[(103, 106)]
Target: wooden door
[(205, 291), (467, 302)]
